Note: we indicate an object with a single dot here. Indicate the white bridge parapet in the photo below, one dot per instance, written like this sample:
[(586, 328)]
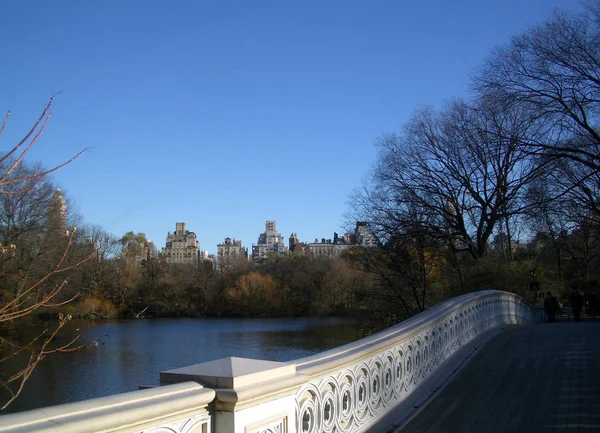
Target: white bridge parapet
[(353, 388), (180, 408)]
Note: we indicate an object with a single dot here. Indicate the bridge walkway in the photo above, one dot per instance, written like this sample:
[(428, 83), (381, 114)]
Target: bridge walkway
[(535, 378)]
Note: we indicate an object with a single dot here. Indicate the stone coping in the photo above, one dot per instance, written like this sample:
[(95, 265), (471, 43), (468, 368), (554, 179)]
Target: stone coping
[(351, 353), (229, 373), (233, 400), (127, 412), (237, 383), (423, 359), (240, 382)]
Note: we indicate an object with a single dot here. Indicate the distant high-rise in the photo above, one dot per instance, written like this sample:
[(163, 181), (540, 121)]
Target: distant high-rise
[(324, 247), (293, 241), (269, 242), (57, 213), (231, 252), (182, 246), (364, 235)]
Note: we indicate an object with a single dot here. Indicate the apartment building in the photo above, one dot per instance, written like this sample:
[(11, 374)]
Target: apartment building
[(269, 242), (182, 246), (230, 252)]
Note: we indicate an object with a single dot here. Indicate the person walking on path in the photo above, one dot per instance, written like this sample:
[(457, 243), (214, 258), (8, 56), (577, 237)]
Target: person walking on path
[(551, 307), (591, 302), (576, 304)]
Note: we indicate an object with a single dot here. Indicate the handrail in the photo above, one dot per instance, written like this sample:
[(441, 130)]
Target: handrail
[(346, 389), (166, 406), (352, 385), (400, 330)]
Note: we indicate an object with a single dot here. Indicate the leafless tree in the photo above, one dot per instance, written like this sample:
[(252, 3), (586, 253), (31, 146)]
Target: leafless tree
[(569, 214), (440, 190), (460, 171), (23, 207), (553, 71), (98, 274), (31, 296)]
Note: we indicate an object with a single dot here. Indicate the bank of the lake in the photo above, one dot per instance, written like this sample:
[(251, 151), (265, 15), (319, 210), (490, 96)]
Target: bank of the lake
[(123, 354)]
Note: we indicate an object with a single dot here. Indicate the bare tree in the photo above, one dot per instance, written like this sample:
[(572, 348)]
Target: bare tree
[(553, 71), (569, 215), (23, 206), (460, 171), (440, 190), (99, 274), (33, 296)]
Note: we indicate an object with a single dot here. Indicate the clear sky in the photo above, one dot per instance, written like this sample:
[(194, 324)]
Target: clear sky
[(225, 114)]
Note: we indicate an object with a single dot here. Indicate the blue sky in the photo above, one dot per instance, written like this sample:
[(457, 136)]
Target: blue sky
[(225, 114)]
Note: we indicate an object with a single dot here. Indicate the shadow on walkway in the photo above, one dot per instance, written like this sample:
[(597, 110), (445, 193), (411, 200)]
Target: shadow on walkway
[(535, 378)]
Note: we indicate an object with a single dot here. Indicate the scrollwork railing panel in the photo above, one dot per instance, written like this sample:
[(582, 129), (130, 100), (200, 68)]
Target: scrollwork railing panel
[(345, 398)]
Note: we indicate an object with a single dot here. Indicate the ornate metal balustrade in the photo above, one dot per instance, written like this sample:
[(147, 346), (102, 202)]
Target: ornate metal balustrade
[(347, 389)]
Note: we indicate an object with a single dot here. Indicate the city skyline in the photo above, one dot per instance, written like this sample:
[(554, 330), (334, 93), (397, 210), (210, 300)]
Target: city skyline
[(228, 115), (160, 247)]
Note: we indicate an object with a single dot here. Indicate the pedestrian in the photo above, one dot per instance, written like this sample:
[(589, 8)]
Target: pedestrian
[(551, 307), (576, 304), (591, 302)]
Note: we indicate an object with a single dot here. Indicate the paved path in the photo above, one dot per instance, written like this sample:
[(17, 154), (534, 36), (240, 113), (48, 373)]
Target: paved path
[(535, 378)]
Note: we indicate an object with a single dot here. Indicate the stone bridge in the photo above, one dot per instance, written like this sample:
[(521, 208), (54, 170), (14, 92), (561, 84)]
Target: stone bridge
[(412, 377)]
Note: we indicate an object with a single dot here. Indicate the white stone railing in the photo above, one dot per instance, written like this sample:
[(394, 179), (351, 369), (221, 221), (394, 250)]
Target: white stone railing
[(351, 388), (180, 408)]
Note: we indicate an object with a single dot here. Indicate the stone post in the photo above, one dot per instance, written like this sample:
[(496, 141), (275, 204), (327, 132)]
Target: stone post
[(252, 396)]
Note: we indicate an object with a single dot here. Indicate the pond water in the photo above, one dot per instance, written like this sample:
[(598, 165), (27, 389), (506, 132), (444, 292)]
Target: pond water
[(130, 353)]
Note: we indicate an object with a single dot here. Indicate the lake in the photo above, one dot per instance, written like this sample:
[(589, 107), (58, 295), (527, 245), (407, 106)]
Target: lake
[(130, 353)]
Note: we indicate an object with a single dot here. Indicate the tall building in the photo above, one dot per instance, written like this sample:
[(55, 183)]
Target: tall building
[(269, 242), (57, 213), (293, 242), (324, 247), (182, 246), (363, 235), (230, 252)]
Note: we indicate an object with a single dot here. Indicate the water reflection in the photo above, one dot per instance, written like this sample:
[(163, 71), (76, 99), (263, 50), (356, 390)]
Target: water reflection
[(131, 353)]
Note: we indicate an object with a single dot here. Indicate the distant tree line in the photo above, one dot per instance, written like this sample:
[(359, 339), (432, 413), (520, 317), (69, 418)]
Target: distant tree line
[(497, 191), (125, 277), (119, 282), (500, 190)]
